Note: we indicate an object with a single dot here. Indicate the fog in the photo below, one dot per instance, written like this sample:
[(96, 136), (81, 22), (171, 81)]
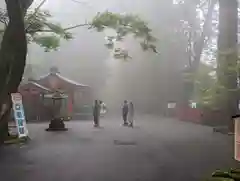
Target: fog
[(145, 79), (152, 140)]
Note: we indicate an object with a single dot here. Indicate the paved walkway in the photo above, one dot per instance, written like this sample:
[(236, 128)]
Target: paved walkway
[(157, 149)]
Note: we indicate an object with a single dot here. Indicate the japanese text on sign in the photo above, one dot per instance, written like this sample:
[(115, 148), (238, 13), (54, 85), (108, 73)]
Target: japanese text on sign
[(19, 115)]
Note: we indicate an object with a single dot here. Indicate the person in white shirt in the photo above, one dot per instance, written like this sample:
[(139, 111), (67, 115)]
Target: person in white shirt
[(130, 114), (103, 108)]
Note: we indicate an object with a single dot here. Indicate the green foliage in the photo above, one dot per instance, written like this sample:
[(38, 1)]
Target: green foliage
[(216, 96), (15, 140), (124, 24), (203, 81), (48, 42), (57, 29), (41, 30), (40, 22), (3, 16), (207, 91), (121, 54), (35, 20), (231, 175)]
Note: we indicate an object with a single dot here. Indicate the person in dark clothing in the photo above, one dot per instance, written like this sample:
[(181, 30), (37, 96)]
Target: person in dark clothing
[(125, 113), (96, 113)]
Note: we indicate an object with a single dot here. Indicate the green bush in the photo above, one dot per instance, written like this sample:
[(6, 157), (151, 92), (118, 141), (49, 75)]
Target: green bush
[(232, 175)]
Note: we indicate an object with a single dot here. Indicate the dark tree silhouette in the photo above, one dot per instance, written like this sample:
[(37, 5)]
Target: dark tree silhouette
[(12, 58), (228, 56)]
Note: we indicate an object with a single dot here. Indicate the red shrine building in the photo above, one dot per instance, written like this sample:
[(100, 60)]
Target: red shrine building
[(79, 96)]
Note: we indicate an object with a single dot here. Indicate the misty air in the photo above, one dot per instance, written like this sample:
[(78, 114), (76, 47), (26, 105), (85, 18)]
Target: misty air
[(118, 90)]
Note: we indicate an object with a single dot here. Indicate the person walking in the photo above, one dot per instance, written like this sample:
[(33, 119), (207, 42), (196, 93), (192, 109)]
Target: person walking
[(125, 113), (96, 113), (130, 114)]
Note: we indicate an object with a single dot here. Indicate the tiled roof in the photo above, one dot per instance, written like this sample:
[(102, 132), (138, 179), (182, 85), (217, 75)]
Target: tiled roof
[(64, 79), (40, 86), (37, 85), (70, 81)]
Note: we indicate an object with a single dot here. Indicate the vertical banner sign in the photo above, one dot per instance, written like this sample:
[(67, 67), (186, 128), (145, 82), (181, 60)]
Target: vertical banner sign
[(237, 139), (19, 115)]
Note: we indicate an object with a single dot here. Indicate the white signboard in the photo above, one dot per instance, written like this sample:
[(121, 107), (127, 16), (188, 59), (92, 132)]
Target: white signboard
[(237, 139), (171, 105), (193, 105), (19, 115)]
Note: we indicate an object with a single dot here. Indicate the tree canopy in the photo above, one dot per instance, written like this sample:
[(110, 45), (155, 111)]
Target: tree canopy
[(41, 30)]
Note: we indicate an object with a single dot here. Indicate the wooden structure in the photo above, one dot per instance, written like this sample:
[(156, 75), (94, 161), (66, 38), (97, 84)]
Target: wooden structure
[(33, 91)]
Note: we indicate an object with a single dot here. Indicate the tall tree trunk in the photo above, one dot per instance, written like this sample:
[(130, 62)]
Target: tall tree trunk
[(228, 55), (12, 58), (198, 48), (188, 83)]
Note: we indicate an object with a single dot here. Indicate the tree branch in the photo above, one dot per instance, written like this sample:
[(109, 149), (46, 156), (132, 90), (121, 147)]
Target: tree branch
[(35, 12), (3, 21), (203, 3), (3, 16), (51, 31), (25, 4), (76, 26), (79, 2)]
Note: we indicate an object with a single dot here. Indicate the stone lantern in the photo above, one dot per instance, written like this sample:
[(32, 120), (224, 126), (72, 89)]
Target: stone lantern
[(57, 121)]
